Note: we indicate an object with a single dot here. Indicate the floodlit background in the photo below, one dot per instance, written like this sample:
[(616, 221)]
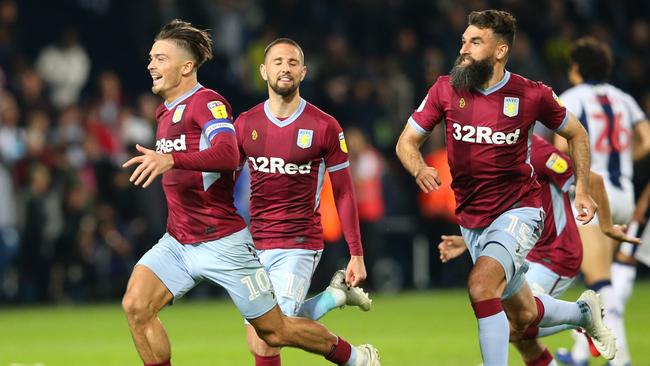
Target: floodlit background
[(75, 98)]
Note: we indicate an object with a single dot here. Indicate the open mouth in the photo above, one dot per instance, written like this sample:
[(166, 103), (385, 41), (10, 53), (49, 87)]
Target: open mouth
[(156, 78)]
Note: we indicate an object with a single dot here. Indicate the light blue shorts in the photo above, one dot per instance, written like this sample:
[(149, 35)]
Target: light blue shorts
[(542, 280), (230, 262), (508, 239), (291, 271)]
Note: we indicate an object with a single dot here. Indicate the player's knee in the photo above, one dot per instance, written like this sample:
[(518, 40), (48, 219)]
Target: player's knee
[(479, 289), (136, 308)]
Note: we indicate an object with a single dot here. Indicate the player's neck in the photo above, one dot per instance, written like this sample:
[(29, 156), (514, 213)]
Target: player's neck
[(497, 76), (283, 107), (185, 85)]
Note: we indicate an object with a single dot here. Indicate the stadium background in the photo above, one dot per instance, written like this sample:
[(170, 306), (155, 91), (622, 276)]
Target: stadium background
[(75, 98)]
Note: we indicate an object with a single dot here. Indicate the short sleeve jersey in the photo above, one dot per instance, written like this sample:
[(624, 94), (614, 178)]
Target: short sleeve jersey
[(489, 133)]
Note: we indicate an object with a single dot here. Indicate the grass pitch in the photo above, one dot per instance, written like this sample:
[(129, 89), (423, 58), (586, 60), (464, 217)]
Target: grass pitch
[(424, 328)]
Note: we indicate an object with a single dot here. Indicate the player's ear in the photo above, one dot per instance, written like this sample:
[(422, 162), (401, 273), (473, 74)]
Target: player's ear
[(263, 72), (303, 73), (502, 51), (188, 67)]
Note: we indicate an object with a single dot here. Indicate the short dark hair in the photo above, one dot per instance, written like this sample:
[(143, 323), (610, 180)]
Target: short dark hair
[(284, 41), (196, 41), (501, 22), (593, 57)]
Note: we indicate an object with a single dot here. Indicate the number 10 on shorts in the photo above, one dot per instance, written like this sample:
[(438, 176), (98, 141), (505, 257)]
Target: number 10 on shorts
[(259, 283)]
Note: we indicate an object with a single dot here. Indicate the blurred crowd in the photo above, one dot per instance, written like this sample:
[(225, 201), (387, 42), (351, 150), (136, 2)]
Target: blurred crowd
[(75, 99)]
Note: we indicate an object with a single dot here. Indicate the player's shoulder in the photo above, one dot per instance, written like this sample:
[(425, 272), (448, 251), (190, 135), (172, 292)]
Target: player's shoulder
[(322, 119), (611, 89), (313, 111), (524, 82), (251, 113), (206, 95)]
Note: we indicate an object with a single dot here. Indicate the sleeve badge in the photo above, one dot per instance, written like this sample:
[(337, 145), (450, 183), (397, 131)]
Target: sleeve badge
[(218, 109), (342, 144), (557, 163)]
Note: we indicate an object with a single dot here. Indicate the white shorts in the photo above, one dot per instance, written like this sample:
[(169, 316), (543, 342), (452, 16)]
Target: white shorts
[(508, 239), (621, 203), (542, 280), (230, 262)]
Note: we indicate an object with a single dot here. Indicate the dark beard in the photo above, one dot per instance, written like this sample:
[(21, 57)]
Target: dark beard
[(284, 92), (471, 76)]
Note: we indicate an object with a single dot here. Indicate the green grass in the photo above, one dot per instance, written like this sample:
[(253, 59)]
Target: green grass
[(426, 328)]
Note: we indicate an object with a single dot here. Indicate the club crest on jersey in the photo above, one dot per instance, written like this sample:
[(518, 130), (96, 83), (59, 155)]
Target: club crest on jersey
[(218, 109), (510, 106), (342, 143), (304, 138), (557, 164), (178, 113), (254, 135)]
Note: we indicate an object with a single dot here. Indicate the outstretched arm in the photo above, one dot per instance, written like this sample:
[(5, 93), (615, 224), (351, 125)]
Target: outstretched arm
[(616, 232), (451, 247), (222, 155)]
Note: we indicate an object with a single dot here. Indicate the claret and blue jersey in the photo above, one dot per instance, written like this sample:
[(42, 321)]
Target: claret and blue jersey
[(200, 204), (489, 135), (288, 159)]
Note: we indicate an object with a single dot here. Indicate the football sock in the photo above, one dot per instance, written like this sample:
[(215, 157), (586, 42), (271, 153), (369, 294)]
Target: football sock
[(493, 331), (558, 312), (353, 357), (341, 352), (547, 331), (623, 276), (268, 360), (545, 359), (319, 305)]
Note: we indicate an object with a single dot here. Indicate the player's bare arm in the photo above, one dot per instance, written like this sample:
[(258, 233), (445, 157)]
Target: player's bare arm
[(642, 141), (578, 143), (150, 165), (616, 232), (408, 152)]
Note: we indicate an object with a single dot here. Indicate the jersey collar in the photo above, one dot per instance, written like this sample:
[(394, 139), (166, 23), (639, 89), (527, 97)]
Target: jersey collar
[(497, 86), (186, 95), (286, 122)]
